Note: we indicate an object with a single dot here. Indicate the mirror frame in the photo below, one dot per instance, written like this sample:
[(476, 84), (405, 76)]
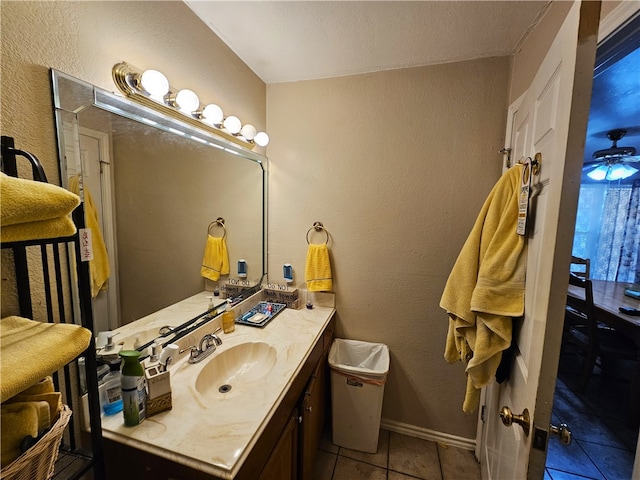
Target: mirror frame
[(85, 95)]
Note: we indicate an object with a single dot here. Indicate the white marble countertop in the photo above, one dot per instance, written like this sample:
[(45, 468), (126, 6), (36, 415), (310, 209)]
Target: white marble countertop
[(214, 433)]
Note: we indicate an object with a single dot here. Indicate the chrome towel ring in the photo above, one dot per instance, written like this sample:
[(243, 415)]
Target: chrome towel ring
[(318, 227), (218, 222)]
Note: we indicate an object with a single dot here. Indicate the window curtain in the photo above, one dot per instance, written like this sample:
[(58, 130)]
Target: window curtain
[(629, 267), (616, 256)]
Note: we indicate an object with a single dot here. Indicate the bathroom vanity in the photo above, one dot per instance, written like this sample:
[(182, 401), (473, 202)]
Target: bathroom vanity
[(266, 426)]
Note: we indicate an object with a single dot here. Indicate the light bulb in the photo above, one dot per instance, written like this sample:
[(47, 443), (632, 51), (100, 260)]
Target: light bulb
[(261, 139), (248, 131), (155, 83), (187, 101), (212, 114), (232, 124)]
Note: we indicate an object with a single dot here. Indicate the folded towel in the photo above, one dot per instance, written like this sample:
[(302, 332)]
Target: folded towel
[(52, 400), (216, 259), (26, 201), (317, 271), (43, 386), (486, 288), (39, 230), (21, 367), (99, 266), (17, 421)]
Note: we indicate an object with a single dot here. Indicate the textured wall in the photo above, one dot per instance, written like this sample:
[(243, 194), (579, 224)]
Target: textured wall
[(396, 165)]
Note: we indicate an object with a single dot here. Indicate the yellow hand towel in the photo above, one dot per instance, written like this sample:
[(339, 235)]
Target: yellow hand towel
[(317, 272), (19, 367), (26, 201), (216, 259), (39, 230), (99, 266), (17, 421), (486, 288)]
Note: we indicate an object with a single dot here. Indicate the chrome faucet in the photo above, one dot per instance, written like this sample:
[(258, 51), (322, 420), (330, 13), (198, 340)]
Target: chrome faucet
[(206, 347)]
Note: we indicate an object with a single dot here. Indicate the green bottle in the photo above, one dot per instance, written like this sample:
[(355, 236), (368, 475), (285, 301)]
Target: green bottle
[(134, 391)]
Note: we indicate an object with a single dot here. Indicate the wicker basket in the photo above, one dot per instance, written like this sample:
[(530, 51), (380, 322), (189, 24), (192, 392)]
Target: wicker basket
[(39, 461)]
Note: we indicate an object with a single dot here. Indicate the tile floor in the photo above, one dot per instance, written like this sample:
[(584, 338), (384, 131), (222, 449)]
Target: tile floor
[(399, 457), (604, 444)]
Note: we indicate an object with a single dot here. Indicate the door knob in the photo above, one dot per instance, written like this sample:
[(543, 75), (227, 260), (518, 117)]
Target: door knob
[(563, 433), (509, 418)]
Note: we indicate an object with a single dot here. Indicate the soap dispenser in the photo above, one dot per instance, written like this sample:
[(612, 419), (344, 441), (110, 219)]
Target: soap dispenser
[(228, 319)]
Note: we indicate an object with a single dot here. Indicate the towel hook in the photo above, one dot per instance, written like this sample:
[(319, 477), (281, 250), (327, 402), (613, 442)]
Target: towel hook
[(218, 222), (318, 227)]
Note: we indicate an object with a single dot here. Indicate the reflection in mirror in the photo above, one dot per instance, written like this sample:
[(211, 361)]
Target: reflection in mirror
[(156, 187)]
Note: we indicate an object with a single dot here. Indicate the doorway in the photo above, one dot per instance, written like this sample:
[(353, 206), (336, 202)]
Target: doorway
[(604, 443)]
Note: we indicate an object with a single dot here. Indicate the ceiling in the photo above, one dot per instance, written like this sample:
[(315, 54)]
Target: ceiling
[(287, 41)]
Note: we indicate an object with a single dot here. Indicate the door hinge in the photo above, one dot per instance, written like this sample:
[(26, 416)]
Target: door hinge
[(482, 410)]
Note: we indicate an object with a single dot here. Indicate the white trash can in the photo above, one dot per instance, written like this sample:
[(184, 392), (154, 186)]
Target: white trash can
[(358, 374)]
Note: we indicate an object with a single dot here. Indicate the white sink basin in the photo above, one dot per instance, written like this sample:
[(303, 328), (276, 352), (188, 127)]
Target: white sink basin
[(235, 366)]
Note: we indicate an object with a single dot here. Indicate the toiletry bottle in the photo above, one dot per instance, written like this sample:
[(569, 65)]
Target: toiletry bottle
[(111, 391), (228, 319), (134, 392)]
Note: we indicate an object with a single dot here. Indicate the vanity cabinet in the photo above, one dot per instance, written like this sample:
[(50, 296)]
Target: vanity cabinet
[(284, 451), (282, 464)]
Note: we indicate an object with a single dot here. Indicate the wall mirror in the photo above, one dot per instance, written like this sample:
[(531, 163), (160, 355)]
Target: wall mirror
[(157, 184)]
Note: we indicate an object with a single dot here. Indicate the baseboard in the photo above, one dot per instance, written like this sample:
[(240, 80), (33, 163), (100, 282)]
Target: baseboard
[(426, 434)]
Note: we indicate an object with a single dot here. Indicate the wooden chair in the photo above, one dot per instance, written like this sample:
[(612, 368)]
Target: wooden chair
[(595, 341), (581, 267)]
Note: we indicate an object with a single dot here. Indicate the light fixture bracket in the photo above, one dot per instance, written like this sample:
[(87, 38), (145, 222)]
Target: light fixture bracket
[(125, 77)]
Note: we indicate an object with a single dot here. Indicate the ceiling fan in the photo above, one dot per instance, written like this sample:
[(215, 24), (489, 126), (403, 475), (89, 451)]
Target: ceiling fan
[(613, 163)]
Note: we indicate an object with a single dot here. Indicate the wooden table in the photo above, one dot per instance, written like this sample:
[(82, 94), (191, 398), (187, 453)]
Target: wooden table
[(607, 298)]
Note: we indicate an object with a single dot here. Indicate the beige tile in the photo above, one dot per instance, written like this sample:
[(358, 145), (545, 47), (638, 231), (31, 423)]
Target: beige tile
[(379, 459), (348, 469), (398, 476), (325, 463), (458, 463), (414, 456)]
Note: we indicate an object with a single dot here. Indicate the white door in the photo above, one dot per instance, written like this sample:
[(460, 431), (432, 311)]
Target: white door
[(96, 173), (550, 118)]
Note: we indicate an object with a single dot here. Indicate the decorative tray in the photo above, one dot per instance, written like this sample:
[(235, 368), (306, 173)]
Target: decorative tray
[(261, 314)]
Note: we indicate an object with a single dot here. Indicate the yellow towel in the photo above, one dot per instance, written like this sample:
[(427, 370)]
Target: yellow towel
[(45, 385), (99, 266), (485, 288), (26, 201), (52, 400), (215, 261), (20, 367), (18, 420), (39, 230), (317, 272)]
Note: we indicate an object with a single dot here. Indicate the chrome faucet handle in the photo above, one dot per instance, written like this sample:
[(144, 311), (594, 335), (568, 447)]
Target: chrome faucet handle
[(215, 337), (166, 330), (194, 352)]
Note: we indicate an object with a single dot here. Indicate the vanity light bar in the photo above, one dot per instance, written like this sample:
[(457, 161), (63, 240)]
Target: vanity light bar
[(152, 89)]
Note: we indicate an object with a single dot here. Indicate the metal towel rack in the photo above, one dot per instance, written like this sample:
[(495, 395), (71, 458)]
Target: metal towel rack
[(218, 222), (318, 227)]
